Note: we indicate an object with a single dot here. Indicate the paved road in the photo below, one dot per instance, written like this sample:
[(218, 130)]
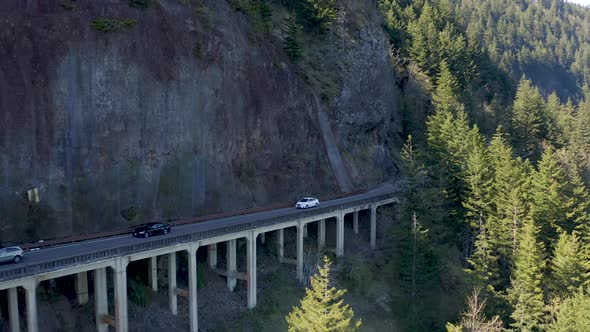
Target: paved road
[(90, 246)]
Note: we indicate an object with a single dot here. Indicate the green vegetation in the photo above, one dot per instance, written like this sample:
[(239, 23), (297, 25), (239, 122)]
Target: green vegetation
[(322, 309), (499, 178), (292, 43), (259, 12), (112, 25), (141, 4), (139, 293)]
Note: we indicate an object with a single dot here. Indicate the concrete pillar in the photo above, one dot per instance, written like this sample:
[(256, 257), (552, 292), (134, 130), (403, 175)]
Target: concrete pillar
[(305, 231), (300, 234), (120, 272), (172, 299), (262, 238), (192, 286), (13, 315), (212, 255), (82, 287), (101, 305), (281, 245), (153, 272), (252, 270), (340, 235), (373, 226), (355, 222), (232, 265), (31, 296), (322, 233)]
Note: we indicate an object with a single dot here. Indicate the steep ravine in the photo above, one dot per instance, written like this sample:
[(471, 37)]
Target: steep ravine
[(186, 113)]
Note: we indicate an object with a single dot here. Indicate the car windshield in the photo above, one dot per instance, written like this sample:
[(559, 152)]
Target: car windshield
[(303, 200)]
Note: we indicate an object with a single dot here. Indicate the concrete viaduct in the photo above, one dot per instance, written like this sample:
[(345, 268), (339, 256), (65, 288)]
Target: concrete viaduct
[(115, 253)]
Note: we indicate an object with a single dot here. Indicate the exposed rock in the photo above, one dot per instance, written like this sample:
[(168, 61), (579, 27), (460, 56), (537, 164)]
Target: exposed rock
[(182, 114)]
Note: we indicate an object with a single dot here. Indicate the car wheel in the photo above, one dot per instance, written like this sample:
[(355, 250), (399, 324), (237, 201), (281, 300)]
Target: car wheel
[(166, 231), (146, 235), (17, 259), (316, 204)]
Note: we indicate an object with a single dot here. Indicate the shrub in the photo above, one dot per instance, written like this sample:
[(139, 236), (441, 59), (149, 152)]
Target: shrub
[(141, 4), (112, 25), (139, 294)]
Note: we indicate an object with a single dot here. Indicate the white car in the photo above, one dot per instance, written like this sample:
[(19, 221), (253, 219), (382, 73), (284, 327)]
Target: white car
[(307, 202), (11, 254)]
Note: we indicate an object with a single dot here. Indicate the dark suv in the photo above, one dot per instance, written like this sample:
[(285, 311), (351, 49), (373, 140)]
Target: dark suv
[(152, 228)]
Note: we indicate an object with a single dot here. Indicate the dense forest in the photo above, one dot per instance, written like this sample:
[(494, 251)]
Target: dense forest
[(498, 204)]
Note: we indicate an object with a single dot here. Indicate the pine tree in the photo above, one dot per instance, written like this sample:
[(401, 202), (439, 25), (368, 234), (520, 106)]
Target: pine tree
[(322, 309), (291, 43), (316, 15), (554, 133), (415, 172), (483, 264), (569, 269), (479, 182), (526, 291), (445, 97), (527, 118), (573, 314), (549, 197), (581, 134), (578, 207)]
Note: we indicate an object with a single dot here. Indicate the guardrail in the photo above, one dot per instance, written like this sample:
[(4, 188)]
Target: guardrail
[(63, 262), (174, 222)]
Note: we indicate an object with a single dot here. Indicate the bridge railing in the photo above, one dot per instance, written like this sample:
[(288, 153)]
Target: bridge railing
[(99, 255)]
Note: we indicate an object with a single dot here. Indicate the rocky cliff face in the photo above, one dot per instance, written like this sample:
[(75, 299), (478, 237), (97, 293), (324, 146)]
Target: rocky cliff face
[(187, 112)]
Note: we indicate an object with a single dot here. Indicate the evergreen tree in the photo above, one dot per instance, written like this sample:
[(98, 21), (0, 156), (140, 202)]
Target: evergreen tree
[(549, 197), (483, 264), (573, 314), (316, 15), (581, 134), (479, 182), (322, 309), (445, 97), (526, 291), (291, 43), (415, 172), (569, 269), (527, 118), (579, 211)]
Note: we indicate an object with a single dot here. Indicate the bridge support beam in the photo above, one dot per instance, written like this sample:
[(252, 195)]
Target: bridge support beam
[(153, 272), (340, 235), (192, 285), (172, 298), (373, 226), (281, 245), (355, 222), (82, 287), (321, 233), (13, 314), (212, 255), (232, 266), (300, 235), (101, 305), (31, 297), (120, 272), (252, 270)]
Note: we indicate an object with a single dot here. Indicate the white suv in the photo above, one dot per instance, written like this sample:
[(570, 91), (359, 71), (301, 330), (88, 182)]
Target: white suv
[(307, 202), (11, 254)]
